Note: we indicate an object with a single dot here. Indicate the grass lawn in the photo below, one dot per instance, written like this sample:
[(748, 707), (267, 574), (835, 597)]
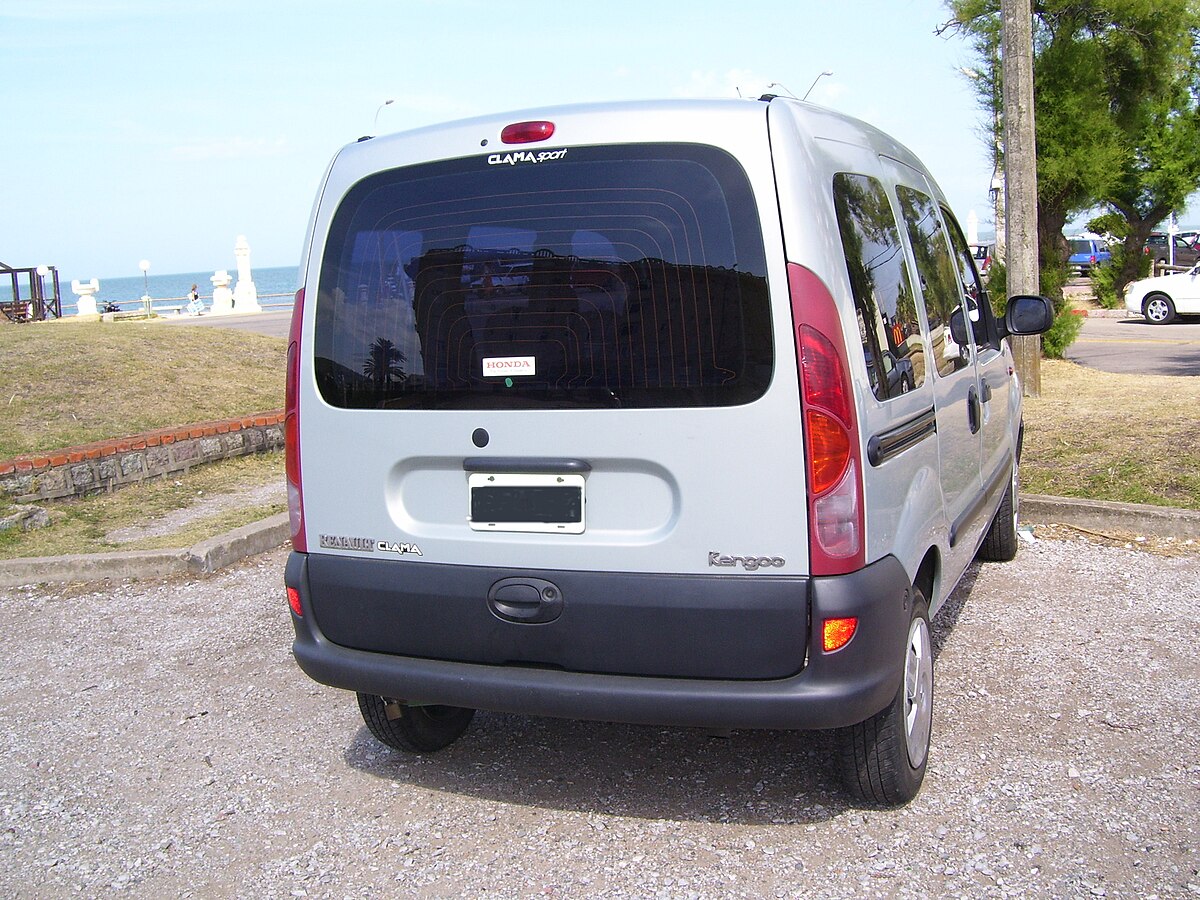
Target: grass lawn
[(1127, 438), (69, 383)]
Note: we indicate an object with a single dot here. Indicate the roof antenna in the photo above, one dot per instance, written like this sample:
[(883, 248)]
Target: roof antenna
[(814, 84), (780, 84)]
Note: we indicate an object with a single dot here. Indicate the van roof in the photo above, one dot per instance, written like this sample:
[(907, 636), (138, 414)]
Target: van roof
[(817, 121)]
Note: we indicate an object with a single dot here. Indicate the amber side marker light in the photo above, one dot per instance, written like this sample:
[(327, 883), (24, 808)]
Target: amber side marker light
[(527, 132), (293, 596), (836, 633)]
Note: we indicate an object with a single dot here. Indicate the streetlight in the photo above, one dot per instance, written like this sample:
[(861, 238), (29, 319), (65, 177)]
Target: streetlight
[(814, 84), (375, 127), (144, 265)]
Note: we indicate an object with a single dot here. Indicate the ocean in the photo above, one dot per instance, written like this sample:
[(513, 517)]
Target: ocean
[(276, 288)]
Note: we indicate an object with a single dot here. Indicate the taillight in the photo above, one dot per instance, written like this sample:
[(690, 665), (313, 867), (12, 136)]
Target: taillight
[(831, 442), (291, 427), (527, 132)]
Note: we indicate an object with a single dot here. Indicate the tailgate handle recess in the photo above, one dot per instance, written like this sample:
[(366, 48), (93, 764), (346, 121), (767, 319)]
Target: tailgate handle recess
[(526, 601)]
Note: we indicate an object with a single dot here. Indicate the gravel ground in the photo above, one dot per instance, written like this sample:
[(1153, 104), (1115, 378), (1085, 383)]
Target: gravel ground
[(156, 739)]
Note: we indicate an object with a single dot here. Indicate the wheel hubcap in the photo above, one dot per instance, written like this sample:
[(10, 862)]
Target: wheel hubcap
[(1156, 310), (918, 692)]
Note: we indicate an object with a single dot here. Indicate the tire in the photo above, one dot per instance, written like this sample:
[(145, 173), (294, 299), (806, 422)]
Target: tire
[(1158, 309), (1000, 542), (413, 729), (883, 759)]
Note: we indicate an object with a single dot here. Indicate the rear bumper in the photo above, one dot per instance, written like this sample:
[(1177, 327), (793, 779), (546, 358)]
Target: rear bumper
[(832, 690)]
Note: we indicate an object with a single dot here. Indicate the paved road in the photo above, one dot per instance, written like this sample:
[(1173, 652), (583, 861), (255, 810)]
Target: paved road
[(275, 324), (1134, 346), (156, 739)]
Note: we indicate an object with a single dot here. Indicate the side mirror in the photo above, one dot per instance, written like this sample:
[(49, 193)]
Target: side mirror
[(1027, 314)]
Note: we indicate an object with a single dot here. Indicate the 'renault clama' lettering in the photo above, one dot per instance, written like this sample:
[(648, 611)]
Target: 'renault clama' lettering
[(367, 545), (749, 563)]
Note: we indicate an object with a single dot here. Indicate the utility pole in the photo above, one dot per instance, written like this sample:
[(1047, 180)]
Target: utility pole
[(1020, 177)]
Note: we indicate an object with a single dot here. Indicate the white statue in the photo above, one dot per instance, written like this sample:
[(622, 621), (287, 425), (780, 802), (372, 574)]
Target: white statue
[(86, 304), (222, 302), (245, 296)]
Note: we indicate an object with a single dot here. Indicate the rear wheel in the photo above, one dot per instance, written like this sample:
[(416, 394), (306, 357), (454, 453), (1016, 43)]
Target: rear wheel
[(1158, 309), (883, 759), (413, 729), (1000, 542)]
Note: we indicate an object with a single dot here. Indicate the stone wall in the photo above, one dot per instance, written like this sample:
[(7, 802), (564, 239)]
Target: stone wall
[(107, 465)]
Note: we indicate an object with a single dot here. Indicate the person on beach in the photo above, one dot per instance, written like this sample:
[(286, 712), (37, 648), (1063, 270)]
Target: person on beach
[(194, 307)]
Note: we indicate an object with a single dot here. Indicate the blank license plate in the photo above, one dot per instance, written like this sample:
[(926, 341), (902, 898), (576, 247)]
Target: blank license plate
[(526, 502)]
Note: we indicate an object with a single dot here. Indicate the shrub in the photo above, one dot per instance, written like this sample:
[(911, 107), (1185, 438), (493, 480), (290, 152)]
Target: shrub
[(1062, 333), (1105, 278)]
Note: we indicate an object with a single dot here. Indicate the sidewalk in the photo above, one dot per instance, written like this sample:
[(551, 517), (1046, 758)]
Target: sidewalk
[(226, 549)]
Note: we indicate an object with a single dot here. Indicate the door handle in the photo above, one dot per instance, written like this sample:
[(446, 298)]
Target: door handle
[(974, 410)]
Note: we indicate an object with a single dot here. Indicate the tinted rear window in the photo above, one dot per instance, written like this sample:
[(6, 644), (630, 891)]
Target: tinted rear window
[(628, 276)]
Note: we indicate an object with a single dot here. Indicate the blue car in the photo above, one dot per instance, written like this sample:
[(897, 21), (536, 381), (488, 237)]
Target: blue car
[(1086, 254)]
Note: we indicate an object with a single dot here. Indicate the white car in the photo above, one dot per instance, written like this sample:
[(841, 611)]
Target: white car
[(1161, 299)]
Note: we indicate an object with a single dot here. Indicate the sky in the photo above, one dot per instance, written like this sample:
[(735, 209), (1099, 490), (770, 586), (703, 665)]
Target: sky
[(137, 129)]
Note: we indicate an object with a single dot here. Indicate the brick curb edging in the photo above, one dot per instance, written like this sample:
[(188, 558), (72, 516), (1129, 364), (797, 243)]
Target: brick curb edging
[(109, 464)]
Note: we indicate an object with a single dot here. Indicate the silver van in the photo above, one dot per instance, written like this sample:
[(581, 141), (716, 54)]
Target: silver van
[(680, 413)]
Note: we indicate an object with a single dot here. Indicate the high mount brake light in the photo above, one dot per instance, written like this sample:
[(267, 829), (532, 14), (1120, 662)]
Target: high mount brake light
[(527, 132), (831, 441)]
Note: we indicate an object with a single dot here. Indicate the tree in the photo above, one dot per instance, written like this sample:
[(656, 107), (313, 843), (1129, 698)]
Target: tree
[(384, 363), (1117, 95), (1161, 165)]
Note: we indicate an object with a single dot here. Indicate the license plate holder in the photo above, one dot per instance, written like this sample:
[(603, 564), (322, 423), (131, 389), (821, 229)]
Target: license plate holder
[(539, 503)]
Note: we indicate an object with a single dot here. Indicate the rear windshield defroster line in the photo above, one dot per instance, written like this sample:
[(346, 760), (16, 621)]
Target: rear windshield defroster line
[(627, 276)]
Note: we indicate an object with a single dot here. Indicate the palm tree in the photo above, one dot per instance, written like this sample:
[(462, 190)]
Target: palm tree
[(383, 365)]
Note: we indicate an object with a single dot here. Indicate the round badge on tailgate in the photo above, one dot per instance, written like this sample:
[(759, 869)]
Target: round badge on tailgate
[(527, 601)]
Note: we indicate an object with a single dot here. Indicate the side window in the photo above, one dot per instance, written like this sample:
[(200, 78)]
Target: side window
[(939, 276), (979, 310), (883, 293)]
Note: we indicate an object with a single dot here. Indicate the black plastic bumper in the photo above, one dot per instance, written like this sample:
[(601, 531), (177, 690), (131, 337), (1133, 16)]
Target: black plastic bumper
[(831, 691)]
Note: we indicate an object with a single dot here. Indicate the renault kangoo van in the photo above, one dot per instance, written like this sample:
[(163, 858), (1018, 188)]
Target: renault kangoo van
[(682, 413)]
